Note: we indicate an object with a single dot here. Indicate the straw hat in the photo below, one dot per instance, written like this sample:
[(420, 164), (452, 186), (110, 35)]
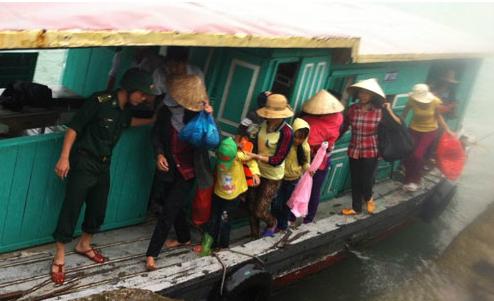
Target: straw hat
[(450, 77), (276, 107), (421, 93), (322, 103), (188, 91), (370, 85)]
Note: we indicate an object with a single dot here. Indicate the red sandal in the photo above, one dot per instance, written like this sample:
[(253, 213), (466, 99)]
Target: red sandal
[(98, 257), (58, 277)]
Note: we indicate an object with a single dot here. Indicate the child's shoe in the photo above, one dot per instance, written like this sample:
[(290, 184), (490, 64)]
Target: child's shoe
[(207, 242)]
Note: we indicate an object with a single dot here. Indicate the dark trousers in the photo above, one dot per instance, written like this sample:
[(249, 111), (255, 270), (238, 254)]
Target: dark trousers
[(315, 195), (88, 182), (173, 214), (362, 172), (279, 208), (219, 226)]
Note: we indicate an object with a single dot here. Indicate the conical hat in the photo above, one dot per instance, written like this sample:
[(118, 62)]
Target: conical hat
[(369, 85), (322, 103), (188, 91)]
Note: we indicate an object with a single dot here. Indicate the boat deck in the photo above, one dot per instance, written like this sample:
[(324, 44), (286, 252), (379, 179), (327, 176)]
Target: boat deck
[(25, 273)]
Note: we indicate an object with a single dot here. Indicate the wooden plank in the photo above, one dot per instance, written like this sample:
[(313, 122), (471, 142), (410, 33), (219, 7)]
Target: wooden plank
[(18, 195), (9, 158)]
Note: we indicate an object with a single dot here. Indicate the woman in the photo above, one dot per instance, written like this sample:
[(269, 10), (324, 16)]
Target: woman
[(424, 128), (364, 117), (273, 144), (176, 160), (297, 163), (323, 114)]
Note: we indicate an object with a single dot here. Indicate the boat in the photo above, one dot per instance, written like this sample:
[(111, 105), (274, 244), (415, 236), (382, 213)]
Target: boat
[(242, 50)]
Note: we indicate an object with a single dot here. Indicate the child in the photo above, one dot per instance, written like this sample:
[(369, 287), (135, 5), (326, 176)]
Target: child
[(296, 163), (230, 183)]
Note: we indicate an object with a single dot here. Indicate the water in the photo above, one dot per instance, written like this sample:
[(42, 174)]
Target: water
[(451, 258)]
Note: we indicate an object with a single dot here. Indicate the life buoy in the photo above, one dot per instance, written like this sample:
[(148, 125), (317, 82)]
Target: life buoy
[(250, 282)]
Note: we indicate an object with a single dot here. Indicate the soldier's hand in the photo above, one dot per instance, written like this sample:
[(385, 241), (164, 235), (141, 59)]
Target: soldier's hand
[(161, 163), (62, 168)]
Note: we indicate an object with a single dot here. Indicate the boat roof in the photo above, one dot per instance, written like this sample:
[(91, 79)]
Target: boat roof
[(373, 33)]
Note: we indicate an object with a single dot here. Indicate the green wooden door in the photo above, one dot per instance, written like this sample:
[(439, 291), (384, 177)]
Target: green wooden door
[(312, 76), (237, 89), (337, 175)]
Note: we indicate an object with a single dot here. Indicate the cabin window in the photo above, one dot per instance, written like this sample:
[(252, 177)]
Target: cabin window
[(285, 78), (27, 109)]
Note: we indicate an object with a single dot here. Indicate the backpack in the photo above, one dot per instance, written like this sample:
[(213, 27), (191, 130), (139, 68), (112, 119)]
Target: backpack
[(19, 94)]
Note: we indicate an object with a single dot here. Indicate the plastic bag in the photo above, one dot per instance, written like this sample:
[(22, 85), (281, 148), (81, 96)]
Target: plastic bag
[(212, 137), (299, 200), (450, 156), (201, 205), (394, 139), (201, 131)]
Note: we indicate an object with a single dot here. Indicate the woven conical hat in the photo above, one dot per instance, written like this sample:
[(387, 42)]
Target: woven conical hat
[(370, 85), (322, 103), (188, 91)]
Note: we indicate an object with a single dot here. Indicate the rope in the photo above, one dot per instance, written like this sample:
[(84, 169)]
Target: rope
[(224, 272)]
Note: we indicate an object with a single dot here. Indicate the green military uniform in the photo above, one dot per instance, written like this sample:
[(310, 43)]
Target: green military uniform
[(99, 124)]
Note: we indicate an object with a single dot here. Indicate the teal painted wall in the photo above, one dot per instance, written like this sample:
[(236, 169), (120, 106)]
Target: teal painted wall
[(87, 69), (31, 195)]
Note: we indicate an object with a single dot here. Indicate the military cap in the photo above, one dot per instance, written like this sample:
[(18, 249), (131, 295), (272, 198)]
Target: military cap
[(136, 79)]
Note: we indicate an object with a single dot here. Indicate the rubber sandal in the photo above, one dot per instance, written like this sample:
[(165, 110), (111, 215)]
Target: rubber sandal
[(197, 249), (348, 211), (57, 277), (172, 244), (98, 257), (268, 233), (371, 206)]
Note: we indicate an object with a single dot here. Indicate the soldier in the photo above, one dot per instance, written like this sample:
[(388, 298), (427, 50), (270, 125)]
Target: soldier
[(85, 162)]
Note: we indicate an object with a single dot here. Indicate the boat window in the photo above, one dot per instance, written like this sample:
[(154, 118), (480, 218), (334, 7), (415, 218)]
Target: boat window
[(285, 78), (26, 108)]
